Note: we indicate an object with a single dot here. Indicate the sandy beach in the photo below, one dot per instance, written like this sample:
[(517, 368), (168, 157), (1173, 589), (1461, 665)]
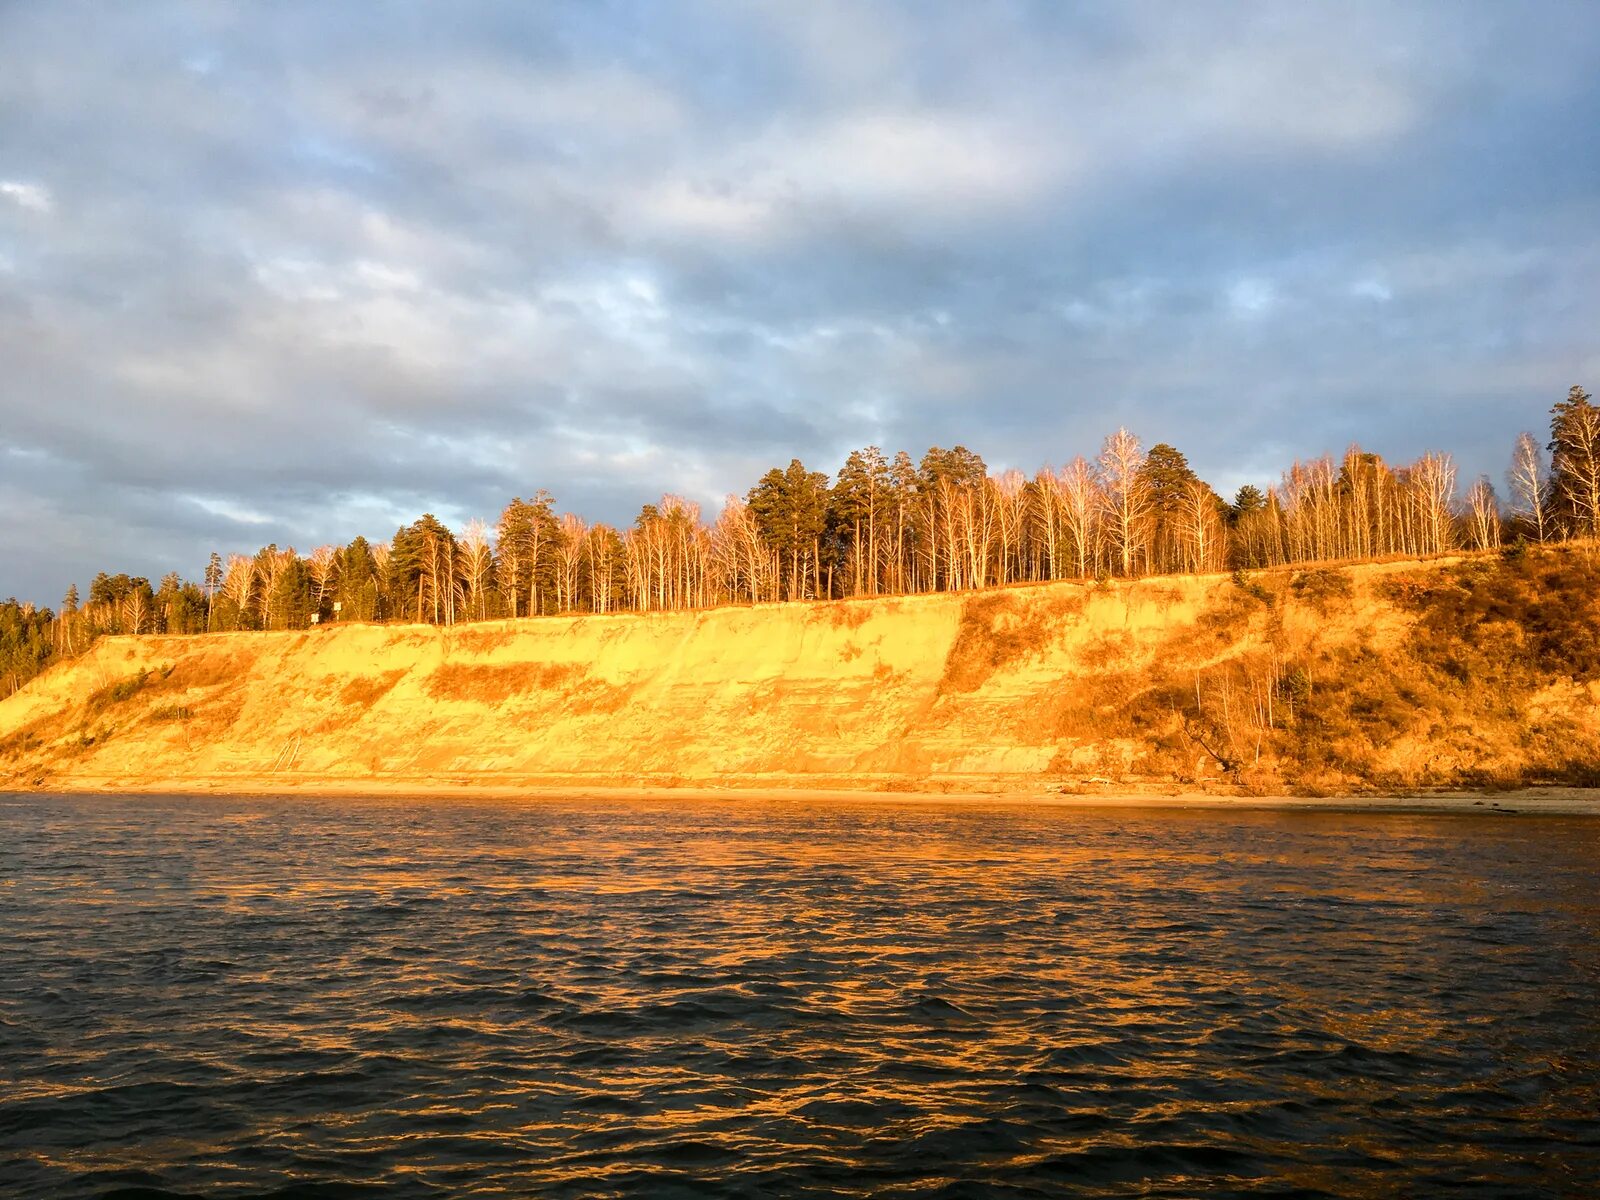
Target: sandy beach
[(1550, 801)]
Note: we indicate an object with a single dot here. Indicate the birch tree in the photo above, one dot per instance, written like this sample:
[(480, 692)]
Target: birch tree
[(1123, 498), (1530, 484)]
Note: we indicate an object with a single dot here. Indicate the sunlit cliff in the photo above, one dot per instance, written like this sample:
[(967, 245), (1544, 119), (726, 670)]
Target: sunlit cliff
[(1380, 676)]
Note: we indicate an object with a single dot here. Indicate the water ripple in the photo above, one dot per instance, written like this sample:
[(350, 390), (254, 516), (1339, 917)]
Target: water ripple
[(259, 998)]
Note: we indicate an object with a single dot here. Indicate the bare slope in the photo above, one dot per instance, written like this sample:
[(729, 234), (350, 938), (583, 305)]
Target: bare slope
[(1377, 676)]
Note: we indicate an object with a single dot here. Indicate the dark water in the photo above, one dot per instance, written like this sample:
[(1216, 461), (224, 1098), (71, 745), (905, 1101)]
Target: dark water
[(337, 998)]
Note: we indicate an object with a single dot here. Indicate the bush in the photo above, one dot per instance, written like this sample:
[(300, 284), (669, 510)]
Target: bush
[(1251, 588), (1474, 619), (1320, 586), (117, 693)]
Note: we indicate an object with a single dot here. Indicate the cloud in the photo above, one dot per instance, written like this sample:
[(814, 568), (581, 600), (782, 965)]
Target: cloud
[(31, 196), (292, 275)]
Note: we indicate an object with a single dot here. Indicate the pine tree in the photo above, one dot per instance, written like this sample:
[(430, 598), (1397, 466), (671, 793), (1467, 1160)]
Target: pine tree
[(422, 571), (526, 537), (213, 579), (855, 513), (790, 509), (1575, 463), (68, 621), (1165, 478), (357, 591)]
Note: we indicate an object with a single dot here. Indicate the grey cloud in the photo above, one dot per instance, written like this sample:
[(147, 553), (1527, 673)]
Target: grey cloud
[(295, 274)]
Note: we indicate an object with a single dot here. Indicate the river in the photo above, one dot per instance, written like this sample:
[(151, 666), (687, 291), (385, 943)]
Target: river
[(330, 998)]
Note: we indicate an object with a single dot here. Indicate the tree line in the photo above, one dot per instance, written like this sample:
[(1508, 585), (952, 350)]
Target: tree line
[(881, 525)]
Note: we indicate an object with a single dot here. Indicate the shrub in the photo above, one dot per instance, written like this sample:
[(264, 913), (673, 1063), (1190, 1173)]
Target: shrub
[(117, 693), (1320, 586), (1251, 587)]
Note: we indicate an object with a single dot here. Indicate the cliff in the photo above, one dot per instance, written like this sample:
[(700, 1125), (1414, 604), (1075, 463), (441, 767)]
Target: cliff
[(1378, 676)]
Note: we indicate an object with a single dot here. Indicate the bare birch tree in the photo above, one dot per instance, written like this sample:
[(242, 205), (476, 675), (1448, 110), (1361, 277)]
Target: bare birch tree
[(476, 570), (1530, 481), (1483, 515), (1123, 498)]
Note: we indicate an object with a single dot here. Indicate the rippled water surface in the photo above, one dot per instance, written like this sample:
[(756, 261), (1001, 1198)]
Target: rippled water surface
[(228, 997)]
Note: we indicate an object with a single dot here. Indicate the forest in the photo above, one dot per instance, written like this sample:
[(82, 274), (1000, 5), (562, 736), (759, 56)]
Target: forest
[(882, 525)]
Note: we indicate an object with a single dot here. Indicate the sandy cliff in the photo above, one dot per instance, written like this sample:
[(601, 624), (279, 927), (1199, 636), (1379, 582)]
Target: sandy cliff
[(1285, 680)]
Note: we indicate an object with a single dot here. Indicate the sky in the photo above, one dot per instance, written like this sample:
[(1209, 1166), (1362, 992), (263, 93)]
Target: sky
[(293, 272)]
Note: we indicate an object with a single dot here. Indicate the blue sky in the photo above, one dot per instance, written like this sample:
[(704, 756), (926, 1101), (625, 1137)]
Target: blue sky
[(294, 272)]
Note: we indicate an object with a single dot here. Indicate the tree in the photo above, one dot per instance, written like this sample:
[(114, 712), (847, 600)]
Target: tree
[(857, 505), (1575, 463), (422, 571), (1124, 498), (606, 557), (136, 606), (356, 587), (238, 589), (1433, 478), (526, 534), (1008, 495), (323, 567), (1200, 531), (67, 623), (388, 608), (170, 616), (739, 558), (902, 505), (790, 509), (291, 593), (1082, 499), (1246, 500), (120, 603), (1164, 478), (1483, 515), (476, 569), (213, 579), (1254, 517), (25, 643), (1530, 485), (949, 514), (271, 564)]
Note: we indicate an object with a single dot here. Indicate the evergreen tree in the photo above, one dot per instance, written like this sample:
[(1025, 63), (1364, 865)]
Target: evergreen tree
[(25, 643), (1575, 464), (422, 571), (357, 592), (213, 580), (856, 512), (67, 623), (291, 599), (790, 508), (526, 537), (1248, 499), (1165, 478)]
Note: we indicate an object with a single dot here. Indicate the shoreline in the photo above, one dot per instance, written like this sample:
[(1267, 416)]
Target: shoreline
[(1535, 801)]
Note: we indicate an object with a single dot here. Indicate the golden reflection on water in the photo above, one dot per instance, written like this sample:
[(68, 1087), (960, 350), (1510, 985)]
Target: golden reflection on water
[(736, 998)]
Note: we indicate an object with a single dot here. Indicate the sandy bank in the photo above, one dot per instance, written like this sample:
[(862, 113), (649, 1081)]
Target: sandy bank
[(1188, 690), (1528, 801)]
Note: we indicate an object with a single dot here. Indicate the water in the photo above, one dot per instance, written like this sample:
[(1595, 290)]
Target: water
[(245, 997)]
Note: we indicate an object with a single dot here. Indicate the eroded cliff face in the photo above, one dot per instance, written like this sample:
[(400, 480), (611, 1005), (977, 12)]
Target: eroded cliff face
[(1195, 681)]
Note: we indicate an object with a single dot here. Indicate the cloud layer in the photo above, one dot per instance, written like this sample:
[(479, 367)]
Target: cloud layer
[(296, 273)]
